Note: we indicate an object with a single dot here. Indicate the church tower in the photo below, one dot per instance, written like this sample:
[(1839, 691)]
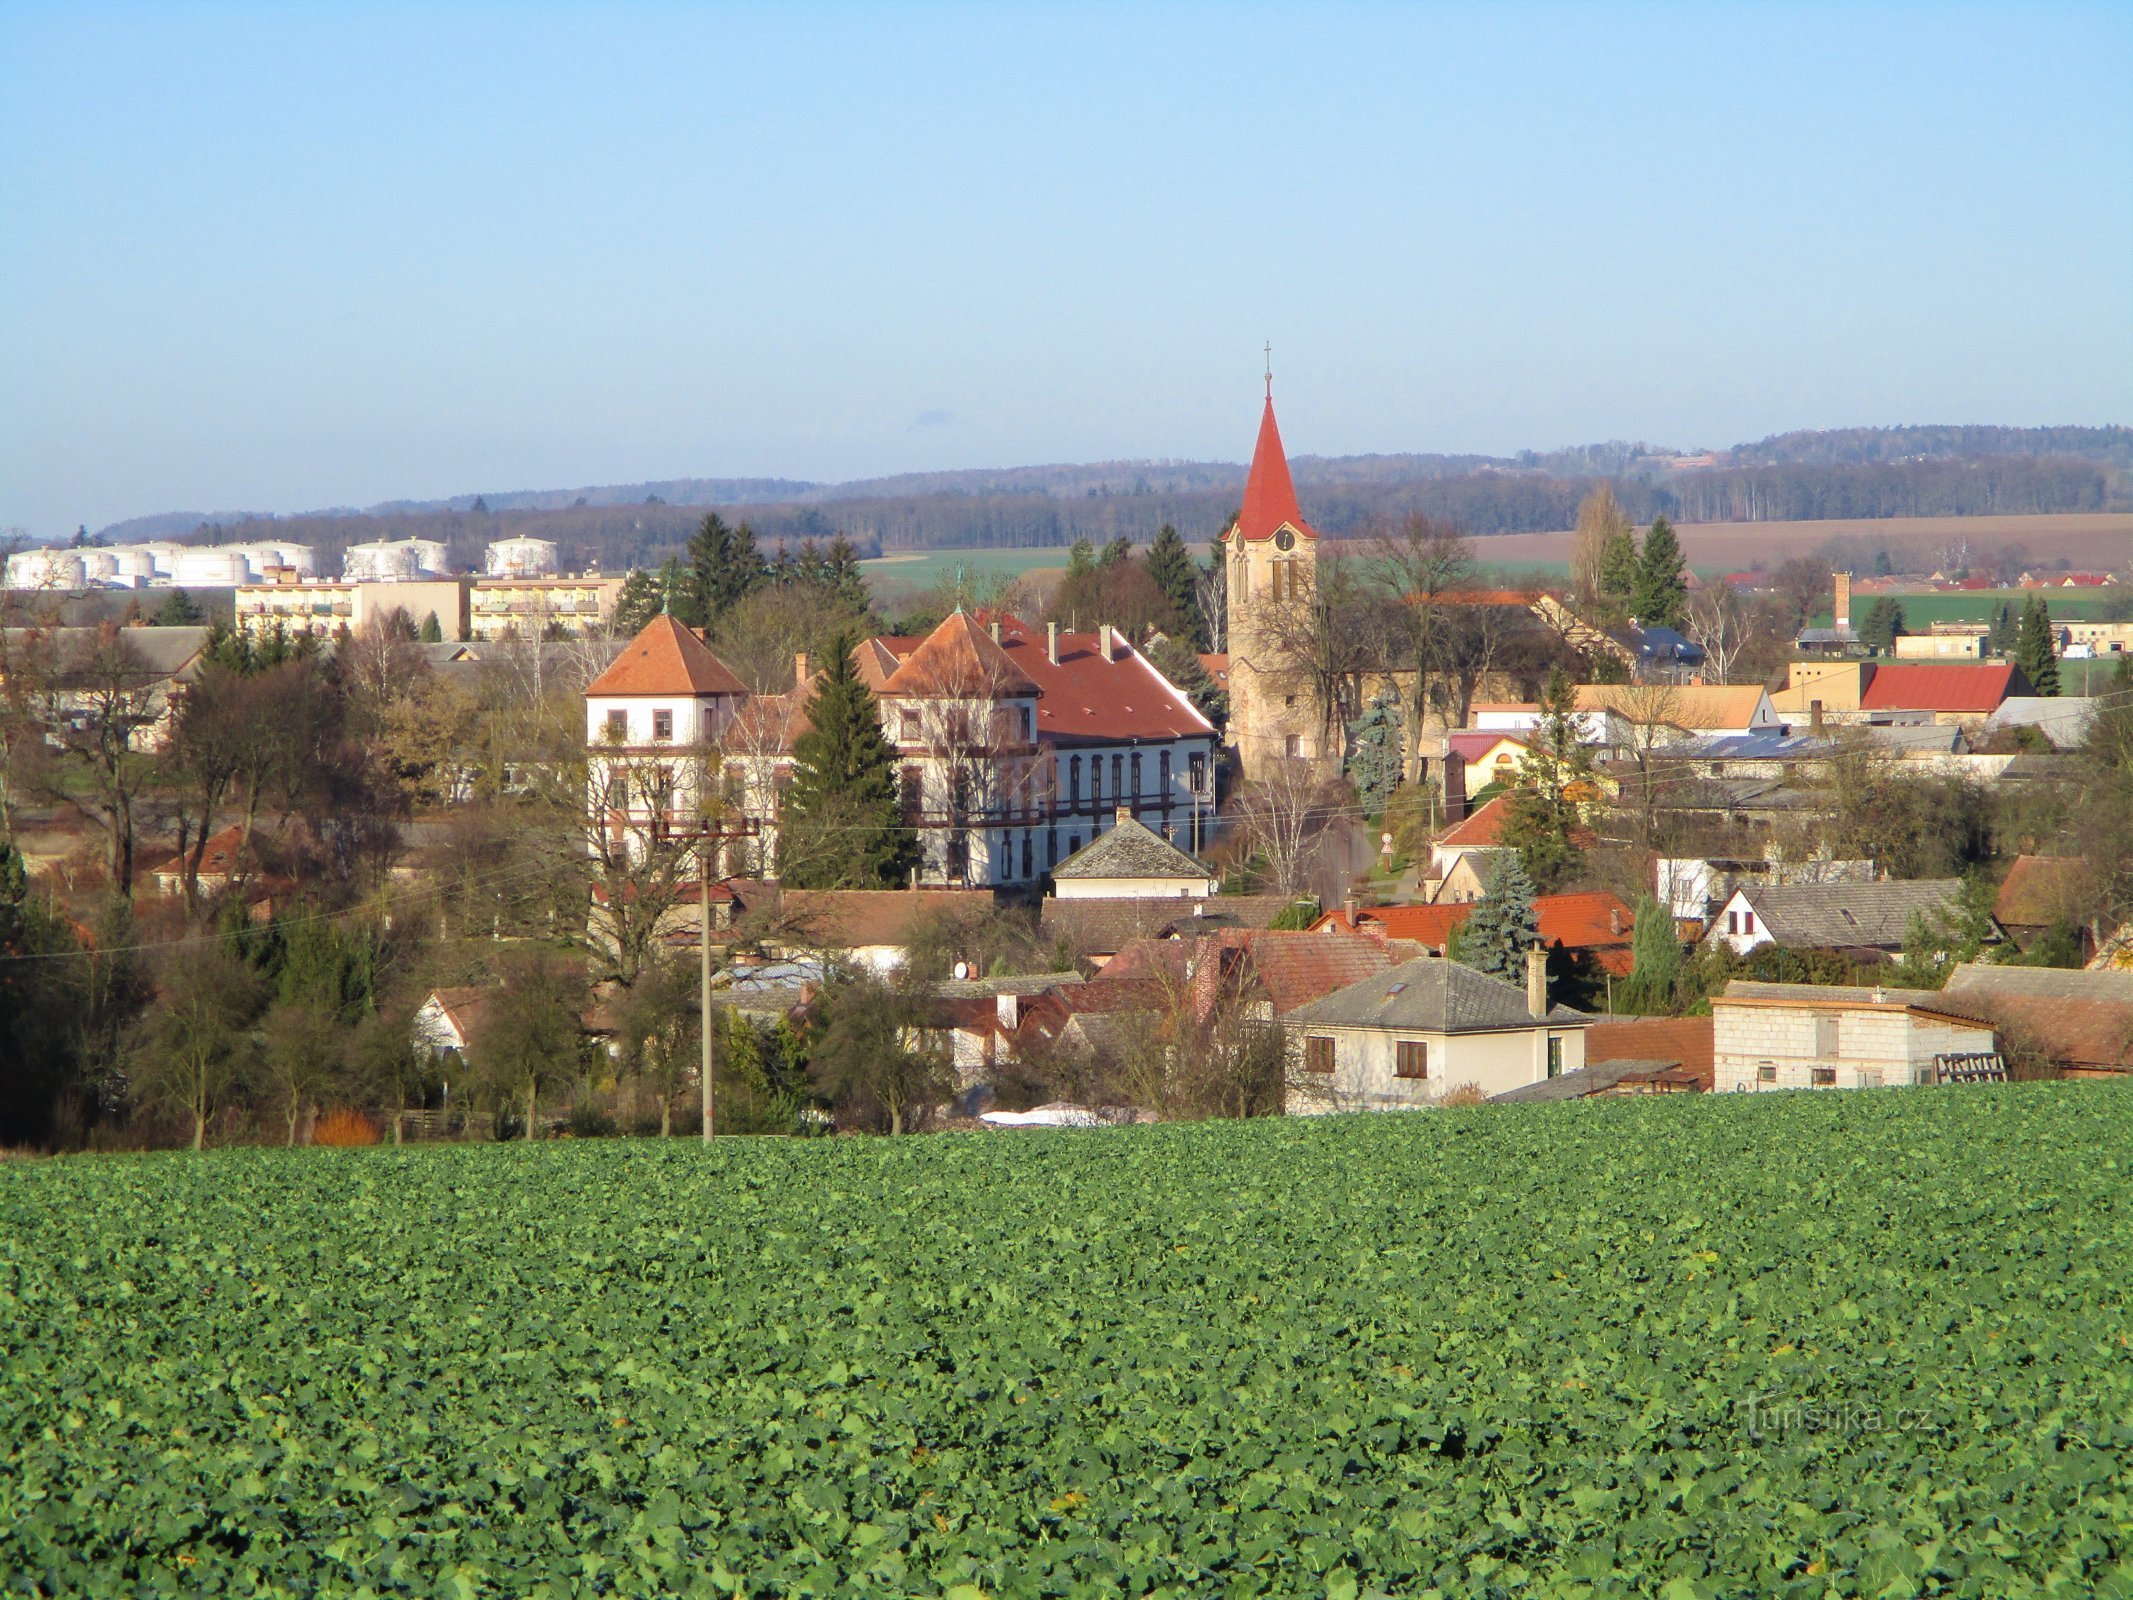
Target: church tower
[(1272, 563)]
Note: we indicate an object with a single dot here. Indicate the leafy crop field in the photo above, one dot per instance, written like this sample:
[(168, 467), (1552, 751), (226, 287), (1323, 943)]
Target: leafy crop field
[(1837, 1344)]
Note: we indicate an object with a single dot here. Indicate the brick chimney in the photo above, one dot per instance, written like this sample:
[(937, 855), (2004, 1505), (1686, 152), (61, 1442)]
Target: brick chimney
[(1051, 643), (800, 674), (1843, 582), (1537, 981), (1125, 813)]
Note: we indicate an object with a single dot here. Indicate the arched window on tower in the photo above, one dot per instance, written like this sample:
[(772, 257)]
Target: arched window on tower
[(1240, 577)]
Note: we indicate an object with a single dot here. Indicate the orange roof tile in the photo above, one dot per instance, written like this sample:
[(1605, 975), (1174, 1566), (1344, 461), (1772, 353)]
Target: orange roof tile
[(666, 659), (1932, 686), (1683, 1039), (1482, 830), (2039, 890), (1597, 922), (960, 660)]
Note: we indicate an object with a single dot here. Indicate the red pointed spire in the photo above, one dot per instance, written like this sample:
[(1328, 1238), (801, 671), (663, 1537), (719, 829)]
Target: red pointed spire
[(1269, 495)]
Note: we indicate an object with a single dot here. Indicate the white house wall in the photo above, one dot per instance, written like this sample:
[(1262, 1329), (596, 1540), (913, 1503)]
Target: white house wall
[(1774, 1047), (1364, 1061)]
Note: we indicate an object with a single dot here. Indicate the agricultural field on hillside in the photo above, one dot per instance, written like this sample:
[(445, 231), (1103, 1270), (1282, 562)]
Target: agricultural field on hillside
[(1871, 1343)]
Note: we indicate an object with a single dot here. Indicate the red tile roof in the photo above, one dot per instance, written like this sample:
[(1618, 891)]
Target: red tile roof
[(219, 860), (1931, 686), (959, 659), (854, 919), (2039, 890), (1269, 493), (1482, 830), (1469, 743), (666, 659), (1293, 969), (1683, 1039), (1596, 922), (1087, 699)]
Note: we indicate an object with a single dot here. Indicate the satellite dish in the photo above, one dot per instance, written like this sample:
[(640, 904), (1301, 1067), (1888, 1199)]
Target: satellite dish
[(962, 970)]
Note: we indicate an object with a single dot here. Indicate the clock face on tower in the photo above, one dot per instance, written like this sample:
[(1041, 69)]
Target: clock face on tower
[(1285, 540)]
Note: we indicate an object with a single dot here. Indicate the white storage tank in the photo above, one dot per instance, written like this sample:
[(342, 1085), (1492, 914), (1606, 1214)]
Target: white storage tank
[(99, 566), (379, 563), (132, 564), (299, 556), (46, 569), (429, 556), (220, 567), (521, 558), (163, 556)]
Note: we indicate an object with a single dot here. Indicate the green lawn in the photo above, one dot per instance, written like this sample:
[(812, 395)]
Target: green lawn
[(1864, 1343)]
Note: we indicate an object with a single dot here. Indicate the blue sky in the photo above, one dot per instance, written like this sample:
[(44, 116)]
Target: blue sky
[(287, 257)]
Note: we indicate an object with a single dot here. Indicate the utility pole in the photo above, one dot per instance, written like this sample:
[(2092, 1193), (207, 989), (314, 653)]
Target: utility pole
[(707, 839)]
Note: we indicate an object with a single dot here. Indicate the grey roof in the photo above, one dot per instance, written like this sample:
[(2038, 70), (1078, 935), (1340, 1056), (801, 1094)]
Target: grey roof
[(1109, 922), (1846, 916), (1827, 636), (989, 988), (165, 652), (2063, 719), (2043, 983), (1593, 1079), (1855, 994), (1432, 995), (1129, 849), (1930, 737), (1753, 747)]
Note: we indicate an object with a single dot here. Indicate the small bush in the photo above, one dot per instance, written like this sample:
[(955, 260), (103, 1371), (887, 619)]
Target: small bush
[(590, 1122), (1463, 1094), (345, 1126)]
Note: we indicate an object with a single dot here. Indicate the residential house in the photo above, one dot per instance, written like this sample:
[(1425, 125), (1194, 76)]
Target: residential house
[(1952, 693), (1644, 715), (1465, 852), (2082, 1021), (653, 721), (447, 1020), (1408, 1036), (1692, 887), (1866, 921), (1096, 930), (76, 682), (867, 928), (1488, 756), (2063, 720), (2039, 891), (538, 607), (1592, 927), (1131, 861), (1807, 1036)]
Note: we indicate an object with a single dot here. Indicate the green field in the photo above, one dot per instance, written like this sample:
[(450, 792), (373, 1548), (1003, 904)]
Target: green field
[(1868, 1343)]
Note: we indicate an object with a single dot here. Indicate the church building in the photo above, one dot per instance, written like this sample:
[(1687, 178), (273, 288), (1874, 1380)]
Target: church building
[(1272, 564)]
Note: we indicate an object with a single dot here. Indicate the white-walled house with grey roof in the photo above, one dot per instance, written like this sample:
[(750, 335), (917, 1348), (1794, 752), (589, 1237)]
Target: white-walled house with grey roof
[(1403, 1039)]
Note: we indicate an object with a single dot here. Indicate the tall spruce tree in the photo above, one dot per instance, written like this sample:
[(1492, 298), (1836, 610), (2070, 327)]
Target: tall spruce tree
[(642, 598), (840, 572), (1502, 926), (1170, 564), (1374, 740), (841, 825), (1660, 596), (723, 567), (2000, 637), (1619, 565), (2034, 652)]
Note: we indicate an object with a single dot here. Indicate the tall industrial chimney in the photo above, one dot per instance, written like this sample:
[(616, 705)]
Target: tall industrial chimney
[(1843, 581)]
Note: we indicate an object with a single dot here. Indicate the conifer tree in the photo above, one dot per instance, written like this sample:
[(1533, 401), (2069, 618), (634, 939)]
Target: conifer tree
[(432, 630), (1619, 564), (1554, 779), (1374, 766), (1655, 956), (840, 572), (1659, 596), (640, 601), (2000, 639), (723, 567), (841, 826), (1081, 559), (1502, 927), (1170, 565), (178, 611), (2033, 647)]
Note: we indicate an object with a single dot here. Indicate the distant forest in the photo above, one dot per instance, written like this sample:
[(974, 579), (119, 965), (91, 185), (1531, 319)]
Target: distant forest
[(1809, 476)]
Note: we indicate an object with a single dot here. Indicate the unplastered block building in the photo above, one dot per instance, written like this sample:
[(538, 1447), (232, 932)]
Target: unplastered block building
[(1810, 1036)]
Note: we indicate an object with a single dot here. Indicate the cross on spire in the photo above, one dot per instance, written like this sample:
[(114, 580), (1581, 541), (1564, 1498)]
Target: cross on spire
[(1270, 369)]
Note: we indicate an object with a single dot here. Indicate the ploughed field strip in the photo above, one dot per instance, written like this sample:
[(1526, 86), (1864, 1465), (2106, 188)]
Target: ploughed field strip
[(1856, 1344)]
